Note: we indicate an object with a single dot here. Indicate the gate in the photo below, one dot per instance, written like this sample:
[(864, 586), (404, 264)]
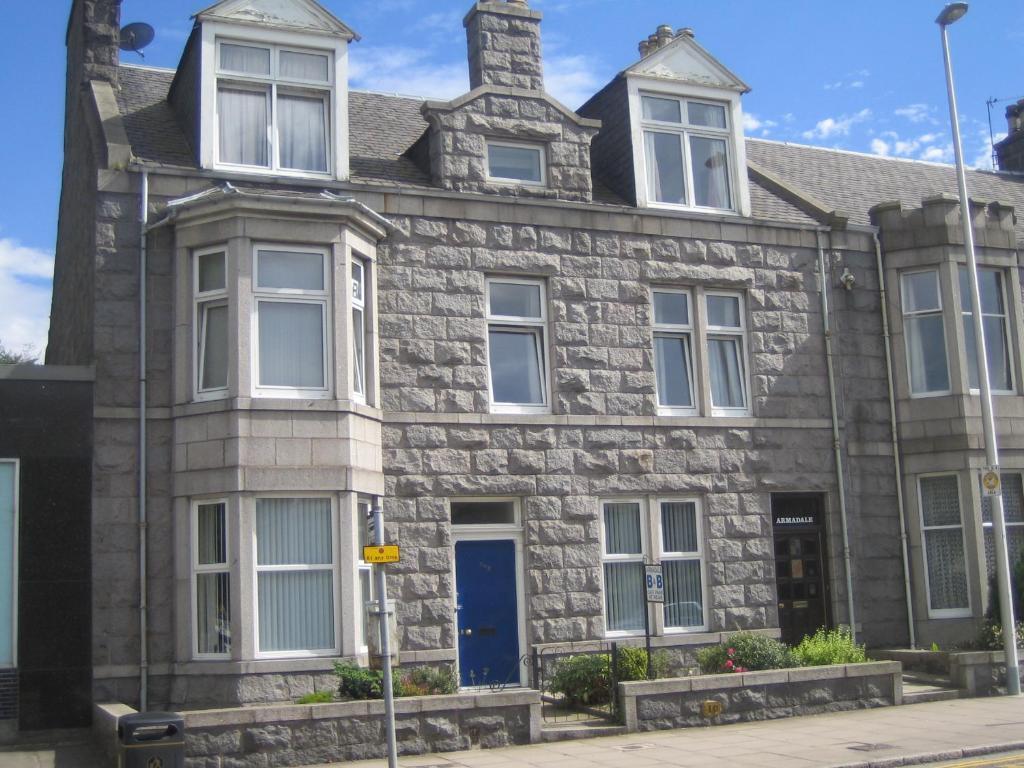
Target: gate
[(588, 692)]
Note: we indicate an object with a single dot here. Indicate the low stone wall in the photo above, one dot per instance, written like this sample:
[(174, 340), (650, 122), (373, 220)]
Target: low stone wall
[(679, 702), (255, 737), (978, 673)]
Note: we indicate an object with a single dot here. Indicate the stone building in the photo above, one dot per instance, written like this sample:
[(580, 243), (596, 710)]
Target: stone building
[(554, 344)]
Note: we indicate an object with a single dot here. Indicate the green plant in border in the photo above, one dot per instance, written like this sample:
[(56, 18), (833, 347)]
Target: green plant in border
[(991, 636), (354, 682), (632, 664), (584, 678), (829, 646), (746, 651), (317, 697), (429, 681)]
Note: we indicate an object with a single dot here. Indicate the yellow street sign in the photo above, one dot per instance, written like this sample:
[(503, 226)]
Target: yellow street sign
[(386, 553), (990, 484)]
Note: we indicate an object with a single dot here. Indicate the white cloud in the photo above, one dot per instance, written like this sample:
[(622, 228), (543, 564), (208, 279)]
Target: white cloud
[(25, 288), (857, 84), (880, 147), (571, 79), (836, 126), (408, 71), (937, 154), (752, 124), (916, 113)]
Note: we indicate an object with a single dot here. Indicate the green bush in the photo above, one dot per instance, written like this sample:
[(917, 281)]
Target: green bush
[(354, 682), (991, 636), (745, 652), (429, 681), (317, 697), (632, 664), (583, 679), (829, 646)]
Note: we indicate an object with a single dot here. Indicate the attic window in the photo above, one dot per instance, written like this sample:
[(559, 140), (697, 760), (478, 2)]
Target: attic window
[(516, 163), (686, 152), (274, 107)]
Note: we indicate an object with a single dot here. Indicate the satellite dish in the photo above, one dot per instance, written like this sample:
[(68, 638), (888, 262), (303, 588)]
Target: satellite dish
[(136, 36)]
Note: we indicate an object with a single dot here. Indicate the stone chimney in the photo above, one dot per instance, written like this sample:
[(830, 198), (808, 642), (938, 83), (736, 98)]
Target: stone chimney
[(662, 37), (1010, 151), (93, 36), (504, 45)]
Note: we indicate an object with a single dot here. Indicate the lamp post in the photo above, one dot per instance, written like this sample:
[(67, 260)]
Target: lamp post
[(950, 14)]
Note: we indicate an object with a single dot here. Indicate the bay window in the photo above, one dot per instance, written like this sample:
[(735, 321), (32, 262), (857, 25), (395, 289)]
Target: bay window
[(944, 550), (686, 152), (994, 326), (292, 292), (296, 576), (359, 328), (517, 344), (924, 332), (1013, 513), (211, 579), (274, 107), (211, 322)]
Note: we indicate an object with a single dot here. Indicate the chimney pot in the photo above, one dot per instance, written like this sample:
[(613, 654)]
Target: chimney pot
[(685, 32), (645, 48), (664, 35)]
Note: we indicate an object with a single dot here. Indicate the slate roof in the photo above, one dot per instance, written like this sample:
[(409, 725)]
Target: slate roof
[(384, 127), (852, 182)]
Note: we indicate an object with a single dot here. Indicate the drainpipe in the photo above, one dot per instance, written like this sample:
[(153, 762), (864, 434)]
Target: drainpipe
[(836, 445), (143, 602), (897, 462)]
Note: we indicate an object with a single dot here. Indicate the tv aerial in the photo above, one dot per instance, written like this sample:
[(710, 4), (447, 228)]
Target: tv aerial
[(136, 36)]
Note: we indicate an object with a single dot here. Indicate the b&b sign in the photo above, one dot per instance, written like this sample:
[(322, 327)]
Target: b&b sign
[(655, 584)]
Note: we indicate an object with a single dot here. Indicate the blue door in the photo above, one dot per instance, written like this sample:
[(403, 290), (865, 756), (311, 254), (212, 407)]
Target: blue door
[(485, 584)]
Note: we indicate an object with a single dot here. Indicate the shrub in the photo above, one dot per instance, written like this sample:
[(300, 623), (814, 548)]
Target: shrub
[(745, 652), (317, 697), (429, 681), (632, 664), (583, 679), (354, 682), (829, 646), (991, 636)]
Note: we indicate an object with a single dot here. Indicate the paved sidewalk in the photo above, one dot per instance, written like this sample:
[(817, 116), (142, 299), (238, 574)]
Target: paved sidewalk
[(879, 738)]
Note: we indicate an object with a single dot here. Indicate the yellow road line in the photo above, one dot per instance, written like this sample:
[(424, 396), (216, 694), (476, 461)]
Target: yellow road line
[(1004, 761)]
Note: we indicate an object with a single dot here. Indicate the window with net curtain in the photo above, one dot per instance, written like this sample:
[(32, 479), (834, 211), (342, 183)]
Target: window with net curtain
[(924, 332), (1013, 513), (212, 580), (292, 306), (993, 324), (945, 558), (295, 576), (676, 544), (274, 107), (686, 152)]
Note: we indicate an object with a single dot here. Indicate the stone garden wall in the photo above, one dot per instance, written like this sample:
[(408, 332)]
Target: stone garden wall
[(679, 703)]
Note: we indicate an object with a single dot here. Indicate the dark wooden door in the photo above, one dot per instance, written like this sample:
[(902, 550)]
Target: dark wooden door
[(799, 565)]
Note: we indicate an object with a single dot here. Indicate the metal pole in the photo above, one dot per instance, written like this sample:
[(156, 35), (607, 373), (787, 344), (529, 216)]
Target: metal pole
[(991, 446), (143, 462), (385, 639)]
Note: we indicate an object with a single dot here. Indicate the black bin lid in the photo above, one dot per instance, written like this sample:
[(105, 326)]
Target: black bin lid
[(149, 727)]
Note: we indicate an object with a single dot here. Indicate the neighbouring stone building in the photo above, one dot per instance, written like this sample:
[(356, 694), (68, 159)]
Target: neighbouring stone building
[(554, 345)]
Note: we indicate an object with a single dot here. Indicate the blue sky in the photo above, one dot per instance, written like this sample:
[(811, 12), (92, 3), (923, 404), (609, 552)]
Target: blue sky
[(863, 76)]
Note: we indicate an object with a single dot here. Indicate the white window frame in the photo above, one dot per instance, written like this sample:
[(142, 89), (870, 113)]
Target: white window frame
[(334, 569), (203, 300), (296, 296), (687, 332), (965, 312), (273, 84), (214, 32), (658, 536), (987, 525), (364, 505), (541, 151), (725, 332), (943, 613), (641, 558), (940, 311), (533, 325), (686, 132), (359, 294), (15, 587), (214, 568)]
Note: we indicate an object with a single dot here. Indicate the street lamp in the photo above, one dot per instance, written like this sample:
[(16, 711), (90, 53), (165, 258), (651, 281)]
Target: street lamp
[(950, 14)]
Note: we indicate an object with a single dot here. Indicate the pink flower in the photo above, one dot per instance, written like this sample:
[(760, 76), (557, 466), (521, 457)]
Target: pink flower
[(731, 651), (728, 664)]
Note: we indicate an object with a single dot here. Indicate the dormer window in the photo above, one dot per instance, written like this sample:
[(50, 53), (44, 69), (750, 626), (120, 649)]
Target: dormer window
[(274, 107), (515, 163), (686, 152)]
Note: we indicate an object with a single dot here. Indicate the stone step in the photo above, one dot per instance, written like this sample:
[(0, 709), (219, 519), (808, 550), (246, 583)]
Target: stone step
[(915, 693), (582, 730), (915, 677)]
